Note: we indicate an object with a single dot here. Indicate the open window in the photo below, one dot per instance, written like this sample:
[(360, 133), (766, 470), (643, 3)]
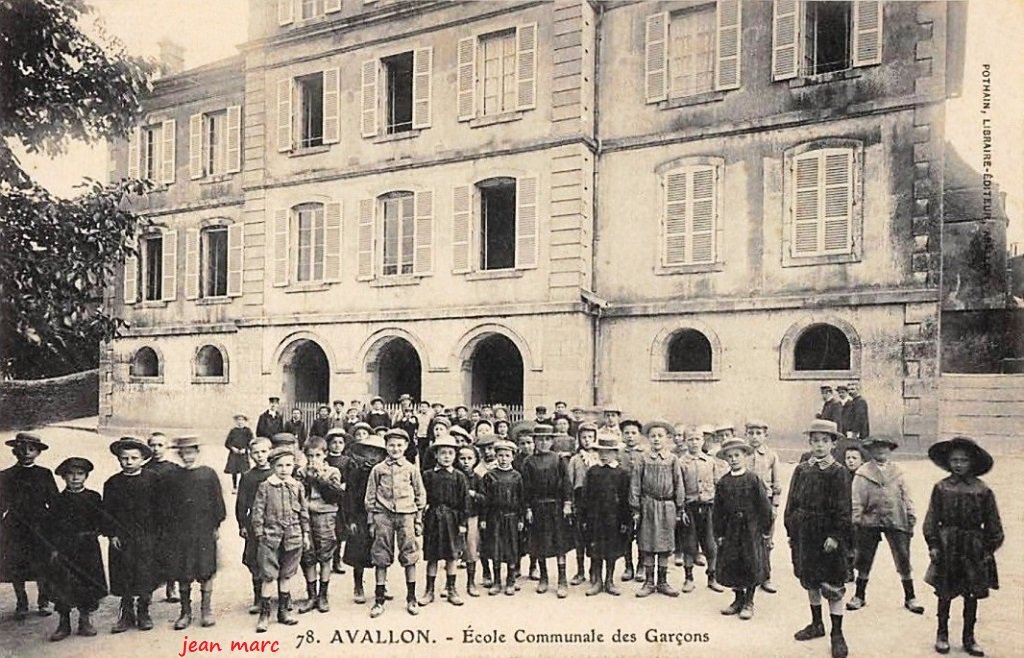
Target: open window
[(822, 347), (497, 223), (308, 110), (819, 37), (398, 93), (209, 365), (215, 141), (688, 351), (496, 219), (311, 110), (151, 152), (145, 365)]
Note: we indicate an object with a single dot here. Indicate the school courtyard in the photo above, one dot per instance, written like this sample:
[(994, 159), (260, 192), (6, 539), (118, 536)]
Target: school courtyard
[(656, 626)]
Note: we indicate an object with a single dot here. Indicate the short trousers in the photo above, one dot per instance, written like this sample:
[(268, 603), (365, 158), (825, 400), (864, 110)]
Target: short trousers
[(277, 563), (324, 538), (389, 529), (866, 541)]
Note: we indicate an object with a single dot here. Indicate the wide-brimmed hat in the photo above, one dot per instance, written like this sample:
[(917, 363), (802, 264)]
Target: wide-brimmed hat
[(131, 443), (186, 441), (373, 441), (27, 438), (820, 425), (521, 427), (505, 445), (279, 452), (445, 441), (486, 439), (361, 426), (80, 463), (459, 430), (607, 441), (881, 440), (404, 396), (664, 424), (706, 429), (396, 432), (981, 460), (734, 443), (284, 439), (376, 398)]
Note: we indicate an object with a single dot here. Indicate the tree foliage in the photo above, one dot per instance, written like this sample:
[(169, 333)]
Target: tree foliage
[(58, 83)]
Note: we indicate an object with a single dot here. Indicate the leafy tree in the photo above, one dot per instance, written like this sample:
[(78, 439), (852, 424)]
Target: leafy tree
[(58, 83)]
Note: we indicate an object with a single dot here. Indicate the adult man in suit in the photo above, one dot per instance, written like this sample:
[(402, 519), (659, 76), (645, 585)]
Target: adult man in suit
[(831, 409), (855, 414), (271, 421)]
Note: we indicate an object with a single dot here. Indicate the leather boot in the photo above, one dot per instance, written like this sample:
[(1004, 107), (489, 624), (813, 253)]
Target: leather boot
[(85, 627), (21, 607), (264, 620), (63, 627), (143, 620), (205, 613), (562, 590), (257, 595), (609, 580), (126, 616), (283, 615), (649, 584), (471, 580), (747, 611), (169, 593), (322, 602), (596, 585), (185, 618), (663, 586), (428, 593), (627, 575), (736, 605), (310, 601), (453, 592)]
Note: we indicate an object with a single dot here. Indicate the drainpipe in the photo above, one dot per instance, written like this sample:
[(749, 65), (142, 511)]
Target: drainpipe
[(595, 305)]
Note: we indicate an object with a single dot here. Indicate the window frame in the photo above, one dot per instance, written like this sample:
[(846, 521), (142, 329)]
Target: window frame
[(479, 190), (214, 141), (158, 378), (787, 350), (403, 223), (307, 111), (316, 233), (660, 353), (223, 378), (204, 259), (387, 95), (146, 267), (865, 40), (710, 7), (690, 164), (507, 37)]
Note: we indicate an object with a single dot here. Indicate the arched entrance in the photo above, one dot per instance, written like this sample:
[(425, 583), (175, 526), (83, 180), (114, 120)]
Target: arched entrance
[(495, 372), (307, 372), (397, 370)]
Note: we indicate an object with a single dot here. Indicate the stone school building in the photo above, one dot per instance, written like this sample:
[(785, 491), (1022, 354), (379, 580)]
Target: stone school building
[(695, 210)]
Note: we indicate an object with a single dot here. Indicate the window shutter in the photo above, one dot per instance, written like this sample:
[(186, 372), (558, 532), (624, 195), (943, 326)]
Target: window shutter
[(236, 253), (169, 285), (369, 98), (467, 78), (167, 152), (675, 242), (526, 222), (281, 247), (837, 200), (806, 171), (234, 149), (526, 66), (730, 43), (192, 280), (130, 294), (423, 260), (461, 228), (365, 241), (422, 70), (332, 242), (195, 146), (785, 39), (332, 6), (134, 139), (284, 115), (332, 105), (703, 213), (656, 58), (285, 11), (867, 33)]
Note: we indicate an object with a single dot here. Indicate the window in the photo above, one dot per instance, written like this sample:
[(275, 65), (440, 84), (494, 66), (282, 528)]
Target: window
[(144, 364), (309, 242), (151, 264), (307, 246), (497, 224), (402, 83), (822, 347), (692, 52), (308, 10), (151, 275), (496, 218), (398, 233), (312, 9), (316, 97), (311, 110), (818, 37), (215, 142), (151, 152), (689, 351), (209, 364), (690, 216), (498, 66), (398, 94), (214, 265), (497, 73)]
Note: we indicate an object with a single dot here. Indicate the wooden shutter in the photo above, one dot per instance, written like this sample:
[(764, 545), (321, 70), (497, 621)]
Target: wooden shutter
[(195, 146), (837, 200), (332, 6), (526, 222), (703, 215), (281, 247), (233, 152), (423, 258), (674, 242), (466, 97), (130, 294), (526, 66), (134, 139), (867, 33), (236, 254), (462, 223), (284, 115), (167, 152), (806, 170), (369, 74), (656, 58), (729, 30), (192, 276), (285, 11), (331, 105), (364, 241), (422, 70), (785, 39), (169, 285), (332, 242)]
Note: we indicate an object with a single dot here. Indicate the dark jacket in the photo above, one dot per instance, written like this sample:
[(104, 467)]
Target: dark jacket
[(855, 418)]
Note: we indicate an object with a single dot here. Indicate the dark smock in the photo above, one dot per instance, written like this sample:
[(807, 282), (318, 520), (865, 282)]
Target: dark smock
[(26, 493), (447, 498), (743, 516), (196, 510), (267, 426), (130, 503), (503, 508), (339, 462), (818, 507), (355, 476), (164, 471), (547, 487), (238, 438), (963, 523), (606, 511), (76, 578), (250, 481)]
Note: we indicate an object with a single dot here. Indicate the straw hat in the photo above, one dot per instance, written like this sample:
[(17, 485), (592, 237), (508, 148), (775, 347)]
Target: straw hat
[(131, 443), (734, 443), (26, 438)]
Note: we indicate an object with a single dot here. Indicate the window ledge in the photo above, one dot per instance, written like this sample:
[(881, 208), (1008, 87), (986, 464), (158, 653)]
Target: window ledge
[(696, 99), (213, 301), (397, 137), (698, 268), (299, 152), (215, 179), (826, 259), (823, 375), (151, 304), (307, 286), (209, 380), (490, 275), (666, 376), (824, 78), (137, 379), (493, 119), (391, 280)]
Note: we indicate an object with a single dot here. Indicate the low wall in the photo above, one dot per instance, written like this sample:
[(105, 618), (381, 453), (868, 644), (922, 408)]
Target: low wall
[(30, 403), (988, 408)]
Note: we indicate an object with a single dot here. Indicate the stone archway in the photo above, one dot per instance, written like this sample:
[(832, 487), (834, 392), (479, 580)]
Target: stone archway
[(493, 371), (306, 372), (396, 370)]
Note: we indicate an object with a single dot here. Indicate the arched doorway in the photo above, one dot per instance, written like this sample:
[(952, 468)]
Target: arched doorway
[(398, 370), (307, 372), (495, 371)]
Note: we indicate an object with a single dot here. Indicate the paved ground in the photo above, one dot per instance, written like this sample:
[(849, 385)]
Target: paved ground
[(658, 626)]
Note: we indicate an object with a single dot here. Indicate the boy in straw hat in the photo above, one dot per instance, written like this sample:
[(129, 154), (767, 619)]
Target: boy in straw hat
[(700, 476), (548, 492), (657, 497), (606, 514), (237, 444), (818, 522), (444, 520), (76, 578), (742, 520), (130, 503), (501, 519), (365, 452), (259, 450), (195, 510), (26, 492), (323, 487), (764, 462), (882, 506), (963, 531)]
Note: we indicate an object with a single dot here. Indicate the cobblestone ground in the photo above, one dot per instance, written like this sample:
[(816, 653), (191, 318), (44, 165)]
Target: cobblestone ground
[(656, 626)]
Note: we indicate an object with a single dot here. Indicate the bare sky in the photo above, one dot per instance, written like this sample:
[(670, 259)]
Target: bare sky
[(212, 29)]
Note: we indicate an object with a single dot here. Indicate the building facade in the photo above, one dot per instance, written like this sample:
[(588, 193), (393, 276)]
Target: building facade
[(698, 210)]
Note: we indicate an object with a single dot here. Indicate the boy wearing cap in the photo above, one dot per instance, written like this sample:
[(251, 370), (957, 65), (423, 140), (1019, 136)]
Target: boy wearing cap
[(444, 521), (363, 454), (237, 444), (295, 425), (130, 505), (818, 522), (320, 425), (195, 512), (76, 578), (612, 418), (322, 485), (629, 456), (856, 423), (831, 408), (337, 438), (352, 416), (164, 469), (963, 531), (606, 513), (541, 417), (764, 463), (579, 465), (338, 414), (468, 457), (700, 476), (378, 417), (742, 520), (270, 421), (501, 517), (394, 501), (548, 494), (259, 450)]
